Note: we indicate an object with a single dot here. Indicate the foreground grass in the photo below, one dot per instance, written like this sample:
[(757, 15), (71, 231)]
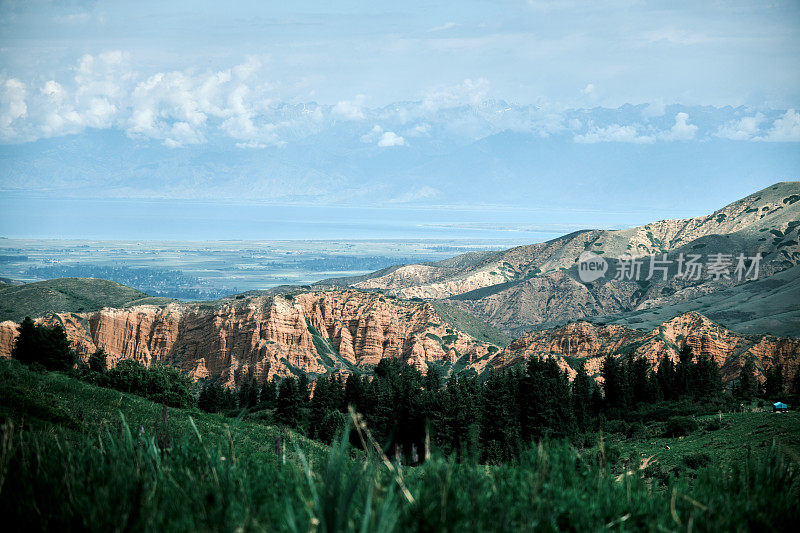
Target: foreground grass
[(54, 400), (77, 457)]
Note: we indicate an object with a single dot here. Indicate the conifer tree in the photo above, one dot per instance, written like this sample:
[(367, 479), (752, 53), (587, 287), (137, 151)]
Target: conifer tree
[(97, 361), (354, 392), (582, 387), (665, 377), (321, 404), (683, 372), (268, 394), (706, 382), (747, 387), (499, 429), (614, 383), (26, 347), (287, 408), (638, 375), (773, 387), (244, 394), (45, 345)]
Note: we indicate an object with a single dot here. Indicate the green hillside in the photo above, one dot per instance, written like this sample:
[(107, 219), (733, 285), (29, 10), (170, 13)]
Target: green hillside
[(79, 457), (75, 295), (471, 325), (768, 305)]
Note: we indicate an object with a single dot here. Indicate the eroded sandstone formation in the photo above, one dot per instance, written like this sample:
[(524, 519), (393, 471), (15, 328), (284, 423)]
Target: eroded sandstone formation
[(262, 337), (592, 342), (322, 331)]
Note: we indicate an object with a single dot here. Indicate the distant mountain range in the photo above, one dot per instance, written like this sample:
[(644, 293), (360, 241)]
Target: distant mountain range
[(535, 286)]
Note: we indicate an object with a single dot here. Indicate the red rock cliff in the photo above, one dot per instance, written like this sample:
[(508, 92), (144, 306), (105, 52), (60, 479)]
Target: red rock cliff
[(593, 342), (267, 336)]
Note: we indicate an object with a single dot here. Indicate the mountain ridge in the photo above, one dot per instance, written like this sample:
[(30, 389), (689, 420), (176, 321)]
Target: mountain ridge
[(505, 289)]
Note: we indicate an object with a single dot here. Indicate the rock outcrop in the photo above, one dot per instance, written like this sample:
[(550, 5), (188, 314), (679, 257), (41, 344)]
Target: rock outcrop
[(593, 342), (261, 337), (343, 331)]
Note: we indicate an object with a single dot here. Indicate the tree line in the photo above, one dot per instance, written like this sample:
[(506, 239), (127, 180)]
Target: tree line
[(493, 417), (489, 417)]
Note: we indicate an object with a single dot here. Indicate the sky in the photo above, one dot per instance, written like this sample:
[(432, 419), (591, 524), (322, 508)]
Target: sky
[(528, 115)]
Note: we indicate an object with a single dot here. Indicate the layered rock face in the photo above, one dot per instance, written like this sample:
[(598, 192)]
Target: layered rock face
[(592, 342), (263, 337), (341, 331)]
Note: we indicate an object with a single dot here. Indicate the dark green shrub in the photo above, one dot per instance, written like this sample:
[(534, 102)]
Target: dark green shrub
[(162, 384), (97, 361), (713, 424), (657, 473), (331, 425), (697, 460), (680, 426), (638, 431), (617, 426)]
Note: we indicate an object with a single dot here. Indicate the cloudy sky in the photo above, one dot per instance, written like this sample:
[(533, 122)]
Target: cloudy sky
[(493, 106)]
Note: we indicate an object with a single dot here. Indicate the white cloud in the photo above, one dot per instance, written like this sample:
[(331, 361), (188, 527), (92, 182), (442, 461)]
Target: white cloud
[(420, 130), (373, 134), (470, 92), (12, 106), (614, 133), (742, 129), (350, 110), (73, 18), (192, 106), (177, 107), (390, 138), (385, 138), (99, 113), (675, 36), (682, 130), (784, 129), (443, 27)]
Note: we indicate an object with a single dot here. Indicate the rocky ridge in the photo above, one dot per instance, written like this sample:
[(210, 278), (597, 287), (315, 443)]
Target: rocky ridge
[(535, 284), (592, 342), (262, 337), (351, 331)]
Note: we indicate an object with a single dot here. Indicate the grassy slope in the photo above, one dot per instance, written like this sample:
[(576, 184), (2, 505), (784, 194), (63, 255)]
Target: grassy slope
[(766, 305), (184, 490), (471, 325), (63, 295), (729, 444), (43, 400)]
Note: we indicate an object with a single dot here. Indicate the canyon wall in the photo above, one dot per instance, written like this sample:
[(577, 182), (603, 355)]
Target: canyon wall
[(262, 337), (727, 349), (345, 331)]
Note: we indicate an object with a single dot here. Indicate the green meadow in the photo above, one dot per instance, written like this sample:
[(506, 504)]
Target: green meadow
[(75, 456)]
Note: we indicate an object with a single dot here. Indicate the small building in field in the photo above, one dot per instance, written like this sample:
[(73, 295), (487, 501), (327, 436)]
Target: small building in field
[(778, 407)]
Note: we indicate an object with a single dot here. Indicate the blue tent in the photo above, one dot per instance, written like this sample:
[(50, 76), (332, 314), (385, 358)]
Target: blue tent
[(780, 406)]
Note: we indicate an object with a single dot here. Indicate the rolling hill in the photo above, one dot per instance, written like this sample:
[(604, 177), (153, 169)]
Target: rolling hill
[(60, 295)]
